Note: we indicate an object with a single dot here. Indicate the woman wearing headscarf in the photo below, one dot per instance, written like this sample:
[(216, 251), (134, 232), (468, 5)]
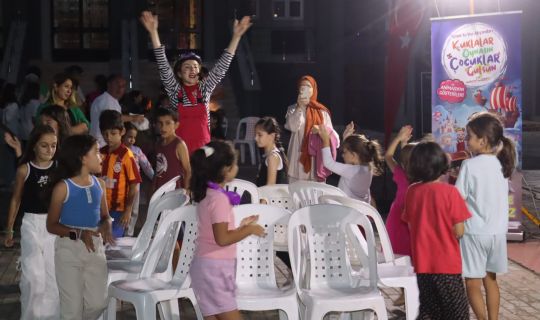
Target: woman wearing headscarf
[(300, 119)]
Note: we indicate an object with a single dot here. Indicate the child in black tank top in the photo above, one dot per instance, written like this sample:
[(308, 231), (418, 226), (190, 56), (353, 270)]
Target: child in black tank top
[(273, 170), (39, 293)]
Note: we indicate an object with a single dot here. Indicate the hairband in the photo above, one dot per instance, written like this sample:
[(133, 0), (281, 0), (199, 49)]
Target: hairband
[(189, 56), (208, 151)]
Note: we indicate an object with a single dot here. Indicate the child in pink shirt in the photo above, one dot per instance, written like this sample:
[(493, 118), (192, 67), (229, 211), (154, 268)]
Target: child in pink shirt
[(213, 268)]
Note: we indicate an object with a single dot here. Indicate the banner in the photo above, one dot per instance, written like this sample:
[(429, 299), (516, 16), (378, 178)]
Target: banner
[(476, 66)]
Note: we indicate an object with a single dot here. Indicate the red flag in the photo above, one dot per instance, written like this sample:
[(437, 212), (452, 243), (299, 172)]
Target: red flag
[(405, 19)]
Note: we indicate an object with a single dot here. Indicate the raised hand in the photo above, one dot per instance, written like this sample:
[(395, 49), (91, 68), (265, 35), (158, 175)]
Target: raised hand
[(405, 134), (14, 143), (240, 27), (149, 21)]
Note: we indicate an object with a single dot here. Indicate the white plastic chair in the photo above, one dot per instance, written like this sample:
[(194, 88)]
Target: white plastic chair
[(307, 193), (278, 195), (240, 186), (123, 251), (131, 269), (321, 271), (145, 293), (388, 257), (167, 187), (391, 273), (257, 289), (248, 138)]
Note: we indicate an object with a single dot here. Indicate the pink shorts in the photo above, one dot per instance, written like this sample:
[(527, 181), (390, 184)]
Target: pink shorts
[(214, 284)]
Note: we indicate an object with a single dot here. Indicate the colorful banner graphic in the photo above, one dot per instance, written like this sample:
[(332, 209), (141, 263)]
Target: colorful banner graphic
[(476, 66)]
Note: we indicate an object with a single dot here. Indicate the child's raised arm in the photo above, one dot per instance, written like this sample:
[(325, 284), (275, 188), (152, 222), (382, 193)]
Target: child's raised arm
[(248, 226), (403, 136), (183, 155), (15, 203)]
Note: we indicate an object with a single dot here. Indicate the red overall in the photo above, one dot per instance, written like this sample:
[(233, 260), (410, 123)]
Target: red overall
[(193, 120)]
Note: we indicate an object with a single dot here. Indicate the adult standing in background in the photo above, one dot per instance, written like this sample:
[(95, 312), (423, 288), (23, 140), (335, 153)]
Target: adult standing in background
[(188, 94), (300, 119), (108, 100), (61, 94)]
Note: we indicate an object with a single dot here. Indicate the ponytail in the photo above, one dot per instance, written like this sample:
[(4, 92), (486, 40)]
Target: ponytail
[(369, 151), (507, 156), (377, 160)]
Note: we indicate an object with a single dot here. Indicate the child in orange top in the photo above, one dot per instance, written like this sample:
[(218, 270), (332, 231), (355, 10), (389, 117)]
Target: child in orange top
[(120, 171)]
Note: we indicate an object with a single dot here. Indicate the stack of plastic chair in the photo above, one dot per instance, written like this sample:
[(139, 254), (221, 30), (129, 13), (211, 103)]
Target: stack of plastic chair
[(321, 271), (169, 201), (257, 289), (240, 186), (278, 195), (131, 269), (392, 272), (248, 138), (167, 187), (307, 193), (147, 291)]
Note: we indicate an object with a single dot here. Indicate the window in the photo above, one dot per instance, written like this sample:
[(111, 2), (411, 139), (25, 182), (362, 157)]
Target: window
[(288, 9), (180, 24), (190, 25), (80, 29)]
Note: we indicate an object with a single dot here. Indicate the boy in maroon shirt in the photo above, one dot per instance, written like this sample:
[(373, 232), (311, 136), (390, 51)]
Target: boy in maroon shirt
[(172, 157)]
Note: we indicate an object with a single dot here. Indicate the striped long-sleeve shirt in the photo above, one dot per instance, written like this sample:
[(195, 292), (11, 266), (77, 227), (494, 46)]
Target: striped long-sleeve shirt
[(206, 86)]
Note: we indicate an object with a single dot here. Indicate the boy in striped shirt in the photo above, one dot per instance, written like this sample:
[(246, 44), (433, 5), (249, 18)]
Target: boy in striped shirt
[(119, 170)]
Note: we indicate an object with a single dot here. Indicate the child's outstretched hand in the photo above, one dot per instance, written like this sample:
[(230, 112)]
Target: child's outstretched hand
[(249, 220), (325, 136), (257, 229), (349, 129), (405, 134), (14, 143)]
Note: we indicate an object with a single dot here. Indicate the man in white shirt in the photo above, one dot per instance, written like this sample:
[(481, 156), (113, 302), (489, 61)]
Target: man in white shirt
[(116, 87)]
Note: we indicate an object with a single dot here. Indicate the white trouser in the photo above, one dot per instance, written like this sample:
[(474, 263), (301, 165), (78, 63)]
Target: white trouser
[(81, 278), (134, 214), (39, 293)]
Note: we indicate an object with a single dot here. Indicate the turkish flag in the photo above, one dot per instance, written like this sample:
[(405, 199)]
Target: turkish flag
[(405, 19)]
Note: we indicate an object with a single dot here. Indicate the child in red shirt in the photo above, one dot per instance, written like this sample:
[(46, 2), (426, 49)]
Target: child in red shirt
[(435, 212)]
